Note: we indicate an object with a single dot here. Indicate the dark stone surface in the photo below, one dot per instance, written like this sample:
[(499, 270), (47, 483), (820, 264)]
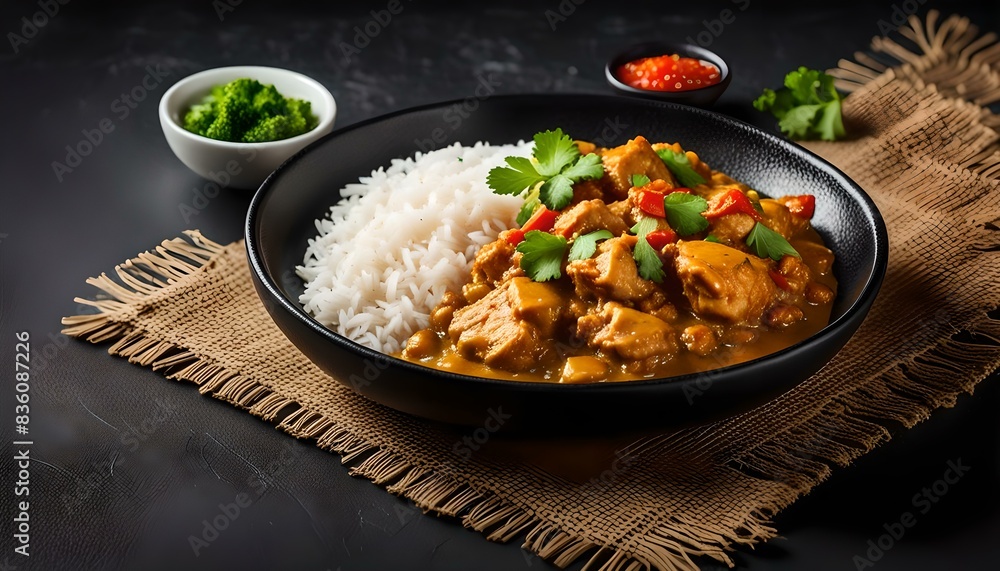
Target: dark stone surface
[(127, 465)]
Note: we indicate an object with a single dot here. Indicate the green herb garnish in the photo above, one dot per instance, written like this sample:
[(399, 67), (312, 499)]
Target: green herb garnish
[(639, 180), (713, 238), (807, 107), (769, 244), (584, 246), (531, 203), (646, 259), (558, 165), (684, 212), (680, 165), (542, 255)]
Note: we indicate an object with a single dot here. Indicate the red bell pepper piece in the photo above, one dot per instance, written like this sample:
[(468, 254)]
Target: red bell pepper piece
[(652, 203), (515, 237), (660, 238), (779, 280), (543, 219), (732, 202), (803, 206)]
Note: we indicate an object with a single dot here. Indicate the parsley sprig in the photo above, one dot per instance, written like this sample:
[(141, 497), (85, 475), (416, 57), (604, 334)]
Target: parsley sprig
[(807, 107), (684, 212), (679, 164), (585, 245), (769, 244), (646, 259), (639, 180), (557, 166), (541, 255)]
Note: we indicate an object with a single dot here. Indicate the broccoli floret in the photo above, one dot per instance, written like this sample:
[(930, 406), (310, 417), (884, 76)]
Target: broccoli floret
[(268, 102), (270, 129), (248, 111), (303, 109), (201, 116)]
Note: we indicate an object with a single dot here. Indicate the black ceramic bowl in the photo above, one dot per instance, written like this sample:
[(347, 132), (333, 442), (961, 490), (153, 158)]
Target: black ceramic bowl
[(702, 97), (282, 214)]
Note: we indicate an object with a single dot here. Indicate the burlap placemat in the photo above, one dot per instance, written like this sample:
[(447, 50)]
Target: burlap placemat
[(926, 151)]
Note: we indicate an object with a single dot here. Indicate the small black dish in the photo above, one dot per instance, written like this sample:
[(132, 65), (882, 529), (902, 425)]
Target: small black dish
[(281, 220), (701, 97)]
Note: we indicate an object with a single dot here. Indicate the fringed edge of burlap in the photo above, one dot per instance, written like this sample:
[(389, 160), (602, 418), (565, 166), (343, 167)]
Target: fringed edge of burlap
[(975, 75)]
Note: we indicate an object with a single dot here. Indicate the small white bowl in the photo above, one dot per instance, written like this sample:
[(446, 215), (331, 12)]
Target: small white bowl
[(240, 165)]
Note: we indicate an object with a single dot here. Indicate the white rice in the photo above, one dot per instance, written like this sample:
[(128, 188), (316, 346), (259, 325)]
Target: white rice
[(400, 239)]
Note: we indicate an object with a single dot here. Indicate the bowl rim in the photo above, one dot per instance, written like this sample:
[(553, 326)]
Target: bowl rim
[(168, 105), (651, 48), (872, 282)]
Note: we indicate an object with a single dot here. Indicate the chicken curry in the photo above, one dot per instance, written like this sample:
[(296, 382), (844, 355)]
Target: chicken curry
[(632, 262)]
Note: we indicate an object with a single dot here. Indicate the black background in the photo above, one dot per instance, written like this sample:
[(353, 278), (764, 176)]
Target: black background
[(126, 464)]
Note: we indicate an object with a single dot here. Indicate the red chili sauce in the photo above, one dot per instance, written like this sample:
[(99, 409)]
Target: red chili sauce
[(669, 73)]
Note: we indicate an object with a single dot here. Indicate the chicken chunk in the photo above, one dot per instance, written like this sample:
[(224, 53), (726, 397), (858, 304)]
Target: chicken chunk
[(511, 328), (634, 157), (777, 217), (588, 216), (733, 228), (495, 262), (629, 333), (724, 283), (611, 275)]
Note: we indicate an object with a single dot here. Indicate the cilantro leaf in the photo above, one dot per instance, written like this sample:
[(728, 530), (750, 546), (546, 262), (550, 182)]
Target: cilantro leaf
[(521, 174), (639, 180), (557, 192), (542, 255), (587, 167), (646, 259), (554, 151), (531, 203), (585, 245), (684, 212), (831, 122), (798, 121), (713, 238), (557, 165), (807, 107), (769, 244), (679, 164)]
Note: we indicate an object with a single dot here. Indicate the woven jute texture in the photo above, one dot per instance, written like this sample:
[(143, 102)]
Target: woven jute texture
[(924, 148)]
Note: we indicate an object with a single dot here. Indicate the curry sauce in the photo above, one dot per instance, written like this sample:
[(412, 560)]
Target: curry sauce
[(652, 286)]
